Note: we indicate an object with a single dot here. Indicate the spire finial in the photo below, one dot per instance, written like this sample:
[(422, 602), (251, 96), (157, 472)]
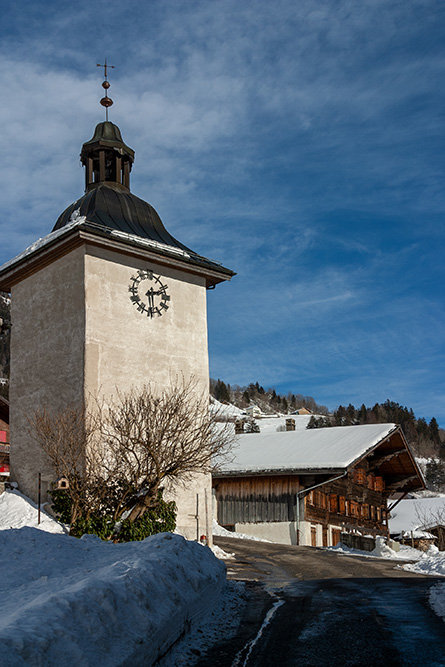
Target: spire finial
[(106, 101)]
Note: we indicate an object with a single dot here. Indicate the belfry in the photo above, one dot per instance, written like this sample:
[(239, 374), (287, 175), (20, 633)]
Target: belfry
[(107, 301)]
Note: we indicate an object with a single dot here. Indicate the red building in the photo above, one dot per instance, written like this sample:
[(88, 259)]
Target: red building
[(4, 435)]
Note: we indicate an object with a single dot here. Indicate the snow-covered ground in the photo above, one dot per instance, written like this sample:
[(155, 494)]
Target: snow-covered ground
[(17, 511), (86, 601), (381, 551), (82, 602)]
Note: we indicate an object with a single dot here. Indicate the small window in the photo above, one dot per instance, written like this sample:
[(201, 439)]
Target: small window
[(354, 508)]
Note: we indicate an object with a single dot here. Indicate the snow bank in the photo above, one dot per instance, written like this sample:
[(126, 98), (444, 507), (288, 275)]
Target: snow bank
[(437, 599), (85, 602), (219, 531), (381, 551), (17, 511), (431, 562)]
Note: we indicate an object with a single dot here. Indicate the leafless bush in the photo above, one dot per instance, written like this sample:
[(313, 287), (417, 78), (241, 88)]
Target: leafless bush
[(117, 456)]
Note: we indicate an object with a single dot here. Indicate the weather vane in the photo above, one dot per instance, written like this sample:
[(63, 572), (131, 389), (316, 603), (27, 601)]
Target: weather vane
[(106, 101)]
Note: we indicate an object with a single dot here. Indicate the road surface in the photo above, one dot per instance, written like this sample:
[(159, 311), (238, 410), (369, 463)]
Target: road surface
[(315, 608)]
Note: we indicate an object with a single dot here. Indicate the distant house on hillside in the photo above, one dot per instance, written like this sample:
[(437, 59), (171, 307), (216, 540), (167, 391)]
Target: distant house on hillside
[(307, 486), (4, 435), (253, 411), (303, 411)]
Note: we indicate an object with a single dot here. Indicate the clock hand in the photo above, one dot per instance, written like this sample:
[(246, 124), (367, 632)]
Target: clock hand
[(150, 295)]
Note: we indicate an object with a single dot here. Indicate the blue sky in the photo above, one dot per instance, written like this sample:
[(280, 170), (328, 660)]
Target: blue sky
[(299, 143)]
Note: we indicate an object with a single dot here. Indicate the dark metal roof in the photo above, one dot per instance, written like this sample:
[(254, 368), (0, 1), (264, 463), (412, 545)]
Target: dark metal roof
[(106, 135), (114, 207), (109, 206)]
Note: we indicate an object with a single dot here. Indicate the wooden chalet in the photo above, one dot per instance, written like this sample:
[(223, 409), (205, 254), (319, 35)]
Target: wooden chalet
[(308, 486)]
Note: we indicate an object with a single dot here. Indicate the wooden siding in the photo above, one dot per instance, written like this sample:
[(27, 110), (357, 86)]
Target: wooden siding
[(256, 499), (352, 500)]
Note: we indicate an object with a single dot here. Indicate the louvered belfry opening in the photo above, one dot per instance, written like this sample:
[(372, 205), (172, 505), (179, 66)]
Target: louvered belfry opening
[(106, 158)]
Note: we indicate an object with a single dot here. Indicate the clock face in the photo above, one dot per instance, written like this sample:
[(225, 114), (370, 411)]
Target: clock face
[(148, 293)]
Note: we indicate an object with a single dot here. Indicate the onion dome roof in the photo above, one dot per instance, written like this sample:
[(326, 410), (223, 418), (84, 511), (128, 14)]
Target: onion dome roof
[(109, 208)]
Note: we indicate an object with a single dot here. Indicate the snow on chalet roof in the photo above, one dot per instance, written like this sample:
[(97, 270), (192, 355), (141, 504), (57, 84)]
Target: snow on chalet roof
[(333, 448)]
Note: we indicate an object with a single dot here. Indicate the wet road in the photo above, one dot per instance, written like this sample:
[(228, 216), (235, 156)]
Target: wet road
[(314, 608)]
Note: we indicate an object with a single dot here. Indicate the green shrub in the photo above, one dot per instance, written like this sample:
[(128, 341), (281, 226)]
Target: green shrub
[(160, 518)]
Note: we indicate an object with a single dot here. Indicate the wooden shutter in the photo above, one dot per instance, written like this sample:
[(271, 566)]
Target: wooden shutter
[(379, 484), (333, 502)]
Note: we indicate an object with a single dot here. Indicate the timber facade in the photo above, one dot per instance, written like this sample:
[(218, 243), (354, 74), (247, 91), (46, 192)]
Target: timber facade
[(313, 507)]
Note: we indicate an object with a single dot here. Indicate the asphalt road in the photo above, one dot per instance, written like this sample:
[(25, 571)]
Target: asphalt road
[(312, 607)]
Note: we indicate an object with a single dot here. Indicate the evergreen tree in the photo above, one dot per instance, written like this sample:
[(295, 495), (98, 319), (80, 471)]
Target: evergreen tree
[(221, 392), (434, 431), (251, 426)]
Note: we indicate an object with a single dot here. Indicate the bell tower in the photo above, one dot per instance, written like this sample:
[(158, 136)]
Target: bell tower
[(108, 301)]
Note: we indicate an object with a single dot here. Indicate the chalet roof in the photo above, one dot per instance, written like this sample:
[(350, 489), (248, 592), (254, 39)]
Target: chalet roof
[(311, 449), (327, 450)]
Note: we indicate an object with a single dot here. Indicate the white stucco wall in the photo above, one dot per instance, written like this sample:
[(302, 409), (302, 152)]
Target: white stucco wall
[(281, 532), (47, 358), (285, 532), (124, 348), (77, 335)]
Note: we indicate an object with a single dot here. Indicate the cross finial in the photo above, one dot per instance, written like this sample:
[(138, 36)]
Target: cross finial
[(106, 101), (105, 67)]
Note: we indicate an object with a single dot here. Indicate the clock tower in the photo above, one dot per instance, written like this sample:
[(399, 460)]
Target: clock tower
[(106, 302)]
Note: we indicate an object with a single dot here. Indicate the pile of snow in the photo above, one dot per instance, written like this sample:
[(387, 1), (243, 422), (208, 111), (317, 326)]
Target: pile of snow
[(382, 550), (220, 553), (17, 511), (417, 535), (219, 531), (225, 410), (437, 599), (64, 600), (431, 562)]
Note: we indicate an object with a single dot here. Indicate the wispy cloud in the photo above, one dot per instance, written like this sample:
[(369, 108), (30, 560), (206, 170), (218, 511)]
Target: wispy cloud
[(299, 143)]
